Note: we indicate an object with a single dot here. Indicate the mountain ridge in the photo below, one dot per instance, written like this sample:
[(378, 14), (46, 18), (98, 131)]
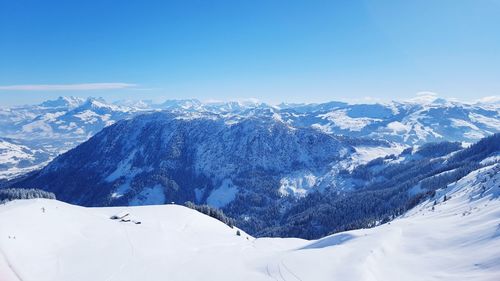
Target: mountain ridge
[(61, 124)]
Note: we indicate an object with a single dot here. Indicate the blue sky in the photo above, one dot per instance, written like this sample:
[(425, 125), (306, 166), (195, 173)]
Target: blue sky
[(272, 50)]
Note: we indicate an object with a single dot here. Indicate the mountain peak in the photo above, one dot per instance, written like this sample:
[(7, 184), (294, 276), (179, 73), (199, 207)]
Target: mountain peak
[(184, 104), (427, 98), (99, 103), (62, 101)]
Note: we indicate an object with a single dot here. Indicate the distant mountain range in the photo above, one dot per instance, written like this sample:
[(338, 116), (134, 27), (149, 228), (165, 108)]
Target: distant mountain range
[(55, 126)]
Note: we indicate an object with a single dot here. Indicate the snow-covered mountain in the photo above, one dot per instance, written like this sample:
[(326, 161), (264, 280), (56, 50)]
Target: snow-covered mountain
[(17, 158), (63, 103), (260, 169), (453, 236), (63, 119), (53, 127), (61, 124), (164, 157), (411, 122), (383, 188), (416, 121)]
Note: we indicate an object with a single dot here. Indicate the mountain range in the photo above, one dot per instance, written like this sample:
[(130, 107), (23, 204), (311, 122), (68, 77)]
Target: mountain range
[(50, 128)]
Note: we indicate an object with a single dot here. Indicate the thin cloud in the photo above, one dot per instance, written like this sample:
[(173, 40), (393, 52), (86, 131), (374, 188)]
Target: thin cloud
[(68, 87), (147, 89), (489, 99)]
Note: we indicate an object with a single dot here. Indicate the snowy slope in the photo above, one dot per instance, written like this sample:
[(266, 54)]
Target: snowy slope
[(456, 239), (410, 122), (53, 127)]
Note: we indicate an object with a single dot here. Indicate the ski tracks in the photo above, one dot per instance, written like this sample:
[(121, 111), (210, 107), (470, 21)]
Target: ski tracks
[(132, 251), (281, 272)]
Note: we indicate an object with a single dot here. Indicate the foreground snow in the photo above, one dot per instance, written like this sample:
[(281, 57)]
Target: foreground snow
[(458, 239)]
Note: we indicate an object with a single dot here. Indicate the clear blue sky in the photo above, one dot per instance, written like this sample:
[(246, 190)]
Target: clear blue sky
[(272, 50)]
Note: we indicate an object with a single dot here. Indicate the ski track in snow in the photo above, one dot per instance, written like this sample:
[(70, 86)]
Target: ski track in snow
[(127, 259), (4, 272)]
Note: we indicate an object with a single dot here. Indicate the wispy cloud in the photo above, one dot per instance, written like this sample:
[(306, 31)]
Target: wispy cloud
[(68, 87), (489, 99)]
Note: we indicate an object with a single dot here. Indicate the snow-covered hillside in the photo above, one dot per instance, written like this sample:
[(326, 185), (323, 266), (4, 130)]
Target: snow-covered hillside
[(53, 127), (453, 239), (409, 122), (17, 158)]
